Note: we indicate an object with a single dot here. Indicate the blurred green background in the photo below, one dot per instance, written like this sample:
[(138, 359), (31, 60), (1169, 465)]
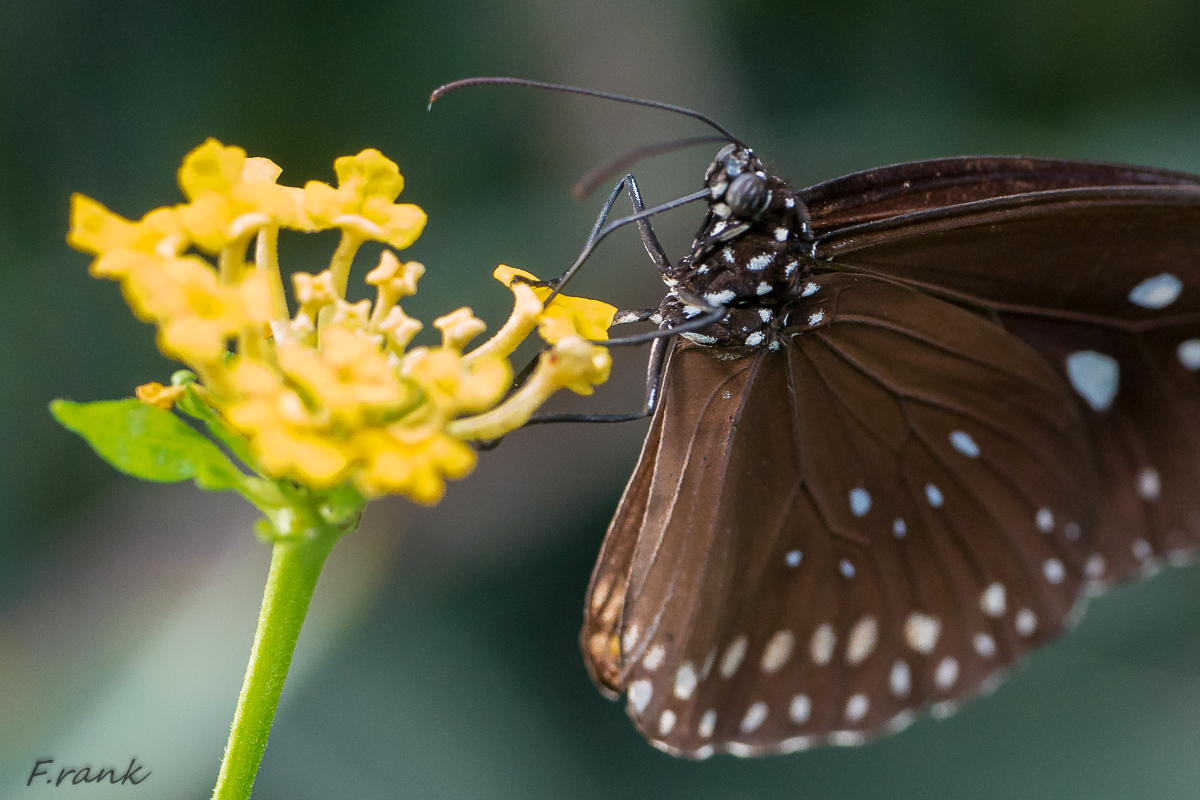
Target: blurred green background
[(440, 660)]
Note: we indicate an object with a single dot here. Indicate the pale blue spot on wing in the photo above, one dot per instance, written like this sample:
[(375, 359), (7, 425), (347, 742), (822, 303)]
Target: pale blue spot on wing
[(1189, 354), (934, 495), (963, 443), (1157, 292), (860, 501), (1095, 376)]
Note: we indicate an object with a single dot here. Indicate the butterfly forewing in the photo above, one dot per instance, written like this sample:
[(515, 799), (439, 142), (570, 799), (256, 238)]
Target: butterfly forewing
[(890, 193), (857, 540), (1105, 284)]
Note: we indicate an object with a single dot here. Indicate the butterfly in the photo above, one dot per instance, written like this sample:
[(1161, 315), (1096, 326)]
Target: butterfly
[(911, 420), (950, 400)]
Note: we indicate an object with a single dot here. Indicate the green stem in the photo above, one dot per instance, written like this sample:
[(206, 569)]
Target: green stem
[(295, 567)]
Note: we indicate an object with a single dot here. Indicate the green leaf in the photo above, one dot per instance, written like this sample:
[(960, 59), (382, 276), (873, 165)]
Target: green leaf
[(148, 442)]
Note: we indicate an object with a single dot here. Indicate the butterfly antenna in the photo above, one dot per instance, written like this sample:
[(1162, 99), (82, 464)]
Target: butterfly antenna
[(606, 171), (556, 87)]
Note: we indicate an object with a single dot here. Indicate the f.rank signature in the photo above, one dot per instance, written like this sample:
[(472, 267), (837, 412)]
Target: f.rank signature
[(86, 774)]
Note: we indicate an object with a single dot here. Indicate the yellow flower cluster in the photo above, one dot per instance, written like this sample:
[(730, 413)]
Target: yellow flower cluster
[(331, 393)]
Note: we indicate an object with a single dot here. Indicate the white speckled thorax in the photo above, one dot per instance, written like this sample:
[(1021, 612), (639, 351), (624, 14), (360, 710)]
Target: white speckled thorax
[(750, 256)]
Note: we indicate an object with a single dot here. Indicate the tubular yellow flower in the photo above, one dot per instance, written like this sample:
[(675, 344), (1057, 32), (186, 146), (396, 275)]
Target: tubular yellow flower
[(287, 438), (196, 315), (368, 183), (574, 363), (233, 196), (155, 394), (565, 315), (349, 377)]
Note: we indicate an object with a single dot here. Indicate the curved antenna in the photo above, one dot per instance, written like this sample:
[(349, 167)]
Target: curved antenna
[(604, 172), (557, 87)]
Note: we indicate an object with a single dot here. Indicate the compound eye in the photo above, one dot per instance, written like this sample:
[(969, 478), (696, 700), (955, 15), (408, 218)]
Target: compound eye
[(725, 152), (747, 196)]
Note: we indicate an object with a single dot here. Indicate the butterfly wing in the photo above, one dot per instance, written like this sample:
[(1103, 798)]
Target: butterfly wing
[(887, 193), (1104, 282), (823, 538)]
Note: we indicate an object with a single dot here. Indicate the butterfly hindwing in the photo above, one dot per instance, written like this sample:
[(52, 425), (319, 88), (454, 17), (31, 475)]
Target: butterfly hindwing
[(855, 541)]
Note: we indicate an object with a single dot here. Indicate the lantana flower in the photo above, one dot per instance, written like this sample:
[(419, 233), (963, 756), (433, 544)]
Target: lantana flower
[(330, 394)]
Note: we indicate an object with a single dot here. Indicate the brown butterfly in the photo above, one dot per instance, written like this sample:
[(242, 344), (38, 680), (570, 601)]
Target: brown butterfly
[(915, 416)]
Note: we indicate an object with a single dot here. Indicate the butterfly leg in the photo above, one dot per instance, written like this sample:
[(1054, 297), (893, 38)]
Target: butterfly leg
[(641, 216), (654, 373)]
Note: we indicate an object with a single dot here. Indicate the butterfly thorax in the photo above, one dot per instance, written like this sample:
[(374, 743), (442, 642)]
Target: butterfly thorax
[(749, 255)]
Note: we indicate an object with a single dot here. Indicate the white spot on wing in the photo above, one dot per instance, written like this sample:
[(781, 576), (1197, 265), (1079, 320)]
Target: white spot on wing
[(1045, 520), (946, 673), (993, 601), (795, 744), (856, 707), (846, 568), (1142, 550), (934, 495), (630, 638), (816, 317), (846, 738), (733, 656), (685, 680), (707, 722), (943, 709), (861, 642), (820, 647), (800, 709), (741, 750), (720, 298), (1026, 622), (921, 631), (640, 693), (763, 288), (900, 678), (1071, 531), (900, 721), (708, 663), (792, 559), (654, 658), (755, 339), (963, 443), (727, 254), (1094, 376), (755, 716), (899, 529), (1188, 353), (1157, 292), (1053, 569), (860, 501), (1148, 484), (777, 651), (985, 645), (781, 234), (765, 314), (810, 288), (1094, 567), (666, 723)]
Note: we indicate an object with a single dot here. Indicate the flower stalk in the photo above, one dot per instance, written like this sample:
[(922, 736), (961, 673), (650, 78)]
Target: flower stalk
[(295, 567)]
